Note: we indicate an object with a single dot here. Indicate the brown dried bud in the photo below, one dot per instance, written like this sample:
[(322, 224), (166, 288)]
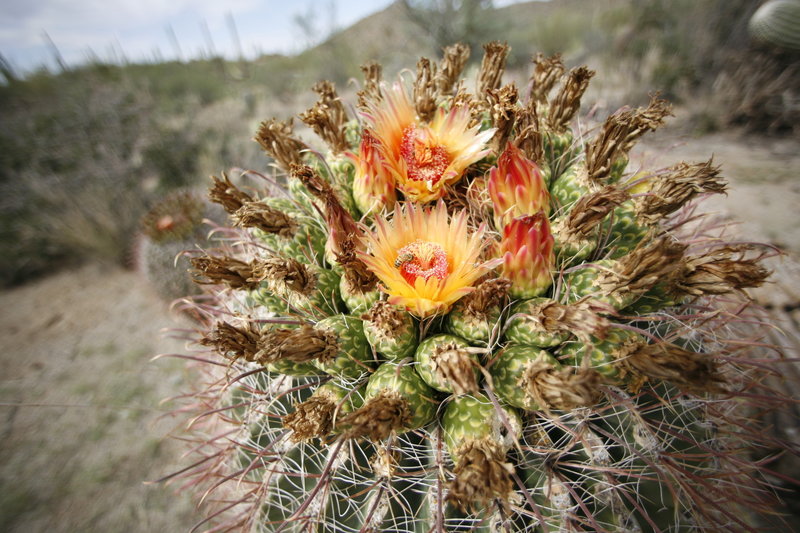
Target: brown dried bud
[(312, 418), (232, 272), (264, 217), (503, 110), (719, 271), (608, 146), (379, 417), (226, 194), (453, 365), (671, 190), (529, 134), (639, 271), (328, 117), (387, 318), (463, 99), (453, 62), (425, 90), (647, 119), (482, 475), (545, 75), (583, 318), (667, 362), (300, 345), (232, 342), (568, 100), (276, 139), (490, 294), (285, 274), (588, 213), (560, 388), (356, 273), (340, 222), (371, 93), (492, 66)]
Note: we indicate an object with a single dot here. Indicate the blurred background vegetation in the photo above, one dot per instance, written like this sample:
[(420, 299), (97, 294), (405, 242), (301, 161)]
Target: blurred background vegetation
[(86, 151)]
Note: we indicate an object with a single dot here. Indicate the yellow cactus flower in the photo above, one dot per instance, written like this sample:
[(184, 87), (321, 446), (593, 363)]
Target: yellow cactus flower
[(425, 261), (425, 158), (516, 187)]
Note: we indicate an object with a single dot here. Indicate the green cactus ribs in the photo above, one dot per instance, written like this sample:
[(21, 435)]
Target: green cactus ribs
[(458, 312)]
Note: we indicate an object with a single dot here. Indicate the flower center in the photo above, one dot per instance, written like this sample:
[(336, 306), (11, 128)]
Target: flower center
[(425, 161), (422, 259)]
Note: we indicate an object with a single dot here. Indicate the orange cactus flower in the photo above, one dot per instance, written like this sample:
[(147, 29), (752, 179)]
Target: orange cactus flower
[(425, 158), (516, 187), (425, 261), (373, 184), (528, 257)]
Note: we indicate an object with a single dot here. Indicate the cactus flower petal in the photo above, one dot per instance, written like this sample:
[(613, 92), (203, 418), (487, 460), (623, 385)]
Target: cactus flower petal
[(425, 261), (528, 257)]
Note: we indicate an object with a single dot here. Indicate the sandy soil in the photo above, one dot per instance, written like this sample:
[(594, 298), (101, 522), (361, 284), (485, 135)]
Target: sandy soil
[(80, 414)]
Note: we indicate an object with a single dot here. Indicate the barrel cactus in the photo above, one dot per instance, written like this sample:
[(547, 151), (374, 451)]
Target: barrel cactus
[(465, 314), (176, 223)]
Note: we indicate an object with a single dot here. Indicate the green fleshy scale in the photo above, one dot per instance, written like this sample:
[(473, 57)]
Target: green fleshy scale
[(424, 359), (394, 342), (264, 298), (568, 189), (293, 368), (307, 245), (476, 329), (354, 358), (521, 329), (324, 299), (558, 149), (474, 417), (618, 168), (339, 172), (572, 253), (352, 134), (405, 381), (583, 282), (625, 233), (357, 302), (346, 399), (507, 369), (653, 301), (601, 354)]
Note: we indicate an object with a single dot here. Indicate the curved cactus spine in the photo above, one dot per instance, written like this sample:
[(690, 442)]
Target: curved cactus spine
[(517, 366)]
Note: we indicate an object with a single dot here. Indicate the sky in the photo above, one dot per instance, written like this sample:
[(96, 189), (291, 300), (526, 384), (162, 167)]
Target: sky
[(140, 30), (144, 30)]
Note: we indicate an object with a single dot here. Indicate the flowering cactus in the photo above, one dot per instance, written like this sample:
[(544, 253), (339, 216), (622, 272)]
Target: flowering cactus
[(464, 320)]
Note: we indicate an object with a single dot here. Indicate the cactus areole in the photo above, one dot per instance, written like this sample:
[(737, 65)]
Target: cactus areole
[(462, 315)]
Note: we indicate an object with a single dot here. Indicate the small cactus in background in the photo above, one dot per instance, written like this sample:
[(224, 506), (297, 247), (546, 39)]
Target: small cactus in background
[(172, 226), (777, 22), (463, 317)]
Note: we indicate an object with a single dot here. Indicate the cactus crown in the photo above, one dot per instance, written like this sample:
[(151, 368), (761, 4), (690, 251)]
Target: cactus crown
[(416, 354)]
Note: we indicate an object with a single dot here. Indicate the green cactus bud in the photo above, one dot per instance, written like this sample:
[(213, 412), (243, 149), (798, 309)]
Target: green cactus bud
[(353, 357), (476, 317), (390, 331), (525, 325), (396, 400), (478, 434), (357, 301), (447, 364), (316, 417), (534, 380)]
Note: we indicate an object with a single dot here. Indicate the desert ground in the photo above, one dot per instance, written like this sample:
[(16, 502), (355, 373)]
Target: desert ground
[(82, 418)]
